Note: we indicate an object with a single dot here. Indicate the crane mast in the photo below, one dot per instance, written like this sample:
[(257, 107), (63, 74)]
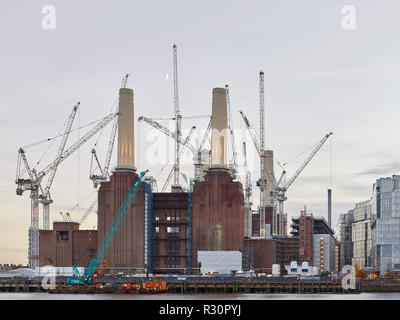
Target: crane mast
[(262, 182), (279, 188), (233, 168), (177, 119), (180, 154), (46, 197)]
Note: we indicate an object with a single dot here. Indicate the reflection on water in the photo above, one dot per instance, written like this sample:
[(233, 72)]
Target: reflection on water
[(46, 296)]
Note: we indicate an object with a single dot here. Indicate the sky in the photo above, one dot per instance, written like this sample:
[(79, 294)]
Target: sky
[(320, 76)]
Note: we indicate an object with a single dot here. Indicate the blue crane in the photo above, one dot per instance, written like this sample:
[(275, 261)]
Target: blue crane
[(108, 238)]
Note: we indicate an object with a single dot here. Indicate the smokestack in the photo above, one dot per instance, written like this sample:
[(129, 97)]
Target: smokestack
[(126, 135), (329, 207), (268, 167), (219, 126)]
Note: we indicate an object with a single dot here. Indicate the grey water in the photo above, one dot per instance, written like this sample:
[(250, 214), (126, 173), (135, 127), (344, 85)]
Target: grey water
[(327, 296)]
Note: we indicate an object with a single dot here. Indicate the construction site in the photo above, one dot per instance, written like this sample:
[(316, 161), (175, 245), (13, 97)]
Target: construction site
[(211, 228)]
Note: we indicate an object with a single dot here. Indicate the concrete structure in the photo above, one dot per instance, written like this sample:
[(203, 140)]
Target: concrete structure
[(66, 245), (330, 207), (324, 252), (316, 241), (261, 254), (345, 236), (170, 233), (255, 218), (218, 214), (126, 126), (219, 132), (128, 246), (269, 167)]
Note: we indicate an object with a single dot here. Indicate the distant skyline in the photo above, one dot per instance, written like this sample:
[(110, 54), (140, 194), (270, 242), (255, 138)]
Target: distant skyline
[(319, 77)]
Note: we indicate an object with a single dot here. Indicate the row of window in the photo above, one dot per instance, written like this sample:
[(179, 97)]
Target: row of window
[(169, 229)]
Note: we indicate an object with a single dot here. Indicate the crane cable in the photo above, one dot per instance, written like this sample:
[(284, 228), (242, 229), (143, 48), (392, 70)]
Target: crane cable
[(60, 135), (300, 154), (82, 201), (51, 144)]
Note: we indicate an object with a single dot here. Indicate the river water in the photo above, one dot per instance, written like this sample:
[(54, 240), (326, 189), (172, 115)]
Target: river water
[(328, 296)]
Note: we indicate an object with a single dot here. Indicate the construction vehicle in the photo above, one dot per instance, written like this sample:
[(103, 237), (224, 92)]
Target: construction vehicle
[(98, 259), (102, 267)]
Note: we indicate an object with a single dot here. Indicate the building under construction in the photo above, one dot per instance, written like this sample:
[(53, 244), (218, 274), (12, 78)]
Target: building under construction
[(163, 232)]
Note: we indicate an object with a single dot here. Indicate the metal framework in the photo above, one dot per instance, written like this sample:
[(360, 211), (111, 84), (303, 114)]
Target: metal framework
[(105, 171), (46, 198), (262, 183), (33, 184), (179, 155), (279, 188), (233, 168), (89, 210), (177, 119)]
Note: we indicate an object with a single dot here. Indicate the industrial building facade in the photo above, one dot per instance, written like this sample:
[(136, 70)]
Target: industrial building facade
[(317, 244), (66, 245)]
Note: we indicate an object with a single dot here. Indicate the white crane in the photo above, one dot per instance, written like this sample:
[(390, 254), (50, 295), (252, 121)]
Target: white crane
[(180, 154), (105, 170), (45, 199), (177, 119), (89, 210), (233, 168), (33, 184), (279, 188), (196, 151)]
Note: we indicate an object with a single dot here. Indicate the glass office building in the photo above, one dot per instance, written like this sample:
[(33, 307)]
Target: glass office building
[(385, 224), (361, 234), (345, 237)]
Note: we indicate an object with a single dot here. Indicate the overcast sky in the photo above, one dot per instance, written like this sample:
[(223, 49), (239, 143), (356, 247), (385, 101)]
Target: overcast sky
[(319, 77)]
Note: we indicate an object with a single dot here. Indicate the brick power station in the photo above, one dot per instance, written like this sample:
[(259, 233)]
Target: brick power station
[(163, 231)]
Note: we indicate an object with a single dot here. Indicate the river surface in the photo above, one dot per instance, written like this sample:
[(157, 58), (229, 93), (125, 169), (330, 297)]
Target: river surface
[(328, 296)]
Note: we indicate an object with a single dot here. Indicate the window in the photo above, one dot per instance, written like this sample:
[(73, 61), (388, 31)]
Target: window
[(173, 229), (157, 229), (62, 235)]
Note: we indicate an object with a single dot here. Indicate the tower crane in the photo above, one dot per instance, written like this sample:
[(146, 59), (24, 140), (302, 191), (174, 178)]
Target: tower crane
[(248, 188), (180, 154), (177, 118), (234, 167), (89, 210), (248, 194), (279, 191), (105, 170), (45, 199), (196, 151), (279, 188), (33, 184)]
